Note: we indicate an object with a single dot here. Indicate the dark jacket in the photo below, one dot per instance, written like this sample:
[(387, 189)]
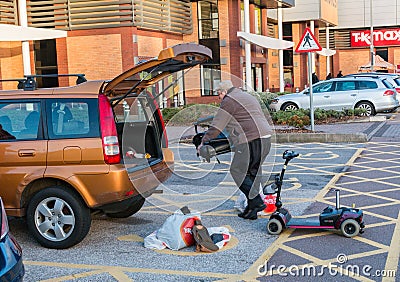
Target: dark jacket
[(314, 78), (241, 115)]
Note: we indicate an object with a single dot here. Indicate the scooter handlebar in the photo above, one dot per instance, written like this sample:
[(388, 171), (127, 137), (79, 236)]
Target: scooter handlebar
[(288, 155)]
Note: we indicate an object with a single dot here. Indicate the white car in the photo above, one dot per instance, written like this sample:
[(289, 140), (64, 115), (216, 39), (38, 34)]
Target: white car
[(374, 94), (394, 78)]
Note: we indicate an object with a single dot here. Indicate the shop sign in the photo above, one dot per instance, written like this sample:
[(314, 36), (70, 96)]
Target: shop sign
[(382, 37)]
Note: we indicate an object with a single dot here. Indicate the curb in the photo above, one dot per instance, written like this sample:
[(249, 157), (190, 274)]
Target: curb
[(310, 137), (320, 137)]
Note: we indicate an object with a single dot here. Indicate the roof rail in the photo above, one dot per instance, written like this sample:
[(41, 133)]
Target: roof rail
[(361, 75), (28, 83)]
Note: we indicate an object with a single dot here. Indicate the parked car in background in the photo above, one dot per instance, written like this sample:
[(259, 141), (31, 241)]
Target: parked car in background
[(11, 266), (374, 94), (97, 146), (394, 78)]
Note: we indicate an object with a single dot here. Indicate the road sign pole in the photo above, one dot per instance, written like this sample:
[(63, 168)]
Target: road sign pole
[(311, 90), (308, 43)]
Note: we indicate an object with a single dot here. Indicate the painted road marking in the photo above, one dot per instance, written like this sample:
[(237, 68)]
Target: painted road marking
[(392, 248)]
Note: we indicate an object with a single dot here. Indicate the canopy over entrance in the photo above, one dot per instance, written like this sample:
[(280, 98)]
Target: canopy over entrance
[(379, 64), (265, 41), (9, 32)]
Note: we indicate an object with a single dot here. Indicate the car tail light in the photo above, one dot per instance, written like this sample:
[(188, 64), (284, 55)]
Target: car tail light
[(109, 135), (388, 93), (398, 89), (4, 222)]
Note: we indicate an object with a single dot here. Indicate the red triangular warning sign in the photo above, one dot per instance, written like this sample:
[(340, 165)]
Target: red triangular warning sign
[(308, 43)]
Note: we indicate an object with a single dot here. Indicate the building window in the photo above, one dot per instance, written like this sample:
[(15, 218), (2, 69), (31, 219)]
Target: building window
[(46, 62), (288, 57), (208, 19), (209, 36), (257, 78), (257, 20), (383, 53), (210, 77)]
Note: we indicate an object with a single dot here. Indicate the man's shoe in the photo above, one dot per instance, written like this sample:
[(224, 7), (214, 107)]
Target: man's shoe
[(252, 213), (246, 210)]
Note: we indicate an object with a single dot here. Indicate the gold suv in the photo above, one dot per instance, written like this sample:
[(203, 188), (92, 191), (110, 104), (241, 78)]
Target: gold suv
[(97, 146)]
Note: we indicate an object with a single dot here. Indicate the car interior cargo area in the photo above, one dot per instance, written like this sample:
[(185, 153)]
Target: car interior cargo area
[(139, 143)]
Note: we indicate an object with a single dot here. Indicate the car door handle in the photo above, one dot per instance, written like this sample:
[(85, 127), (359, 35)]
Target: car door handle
[(26, 153), (326, 96), (353, 94)]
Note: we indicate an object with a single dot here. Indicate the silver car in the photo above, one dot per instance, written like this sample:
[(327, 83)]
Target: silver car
[(374, 94), (394, 78)]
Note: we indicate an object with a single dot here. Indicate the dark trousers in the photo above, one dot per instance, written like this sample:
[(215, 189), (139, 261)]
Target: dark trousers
[(246, 168)]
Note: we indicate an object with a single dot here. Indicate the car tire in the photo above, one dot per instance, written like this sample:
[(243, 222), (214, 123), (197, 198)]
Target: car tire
[(368, 107), (58, 218), (132, 209), (274, 226), (289, 107), (350, 228)]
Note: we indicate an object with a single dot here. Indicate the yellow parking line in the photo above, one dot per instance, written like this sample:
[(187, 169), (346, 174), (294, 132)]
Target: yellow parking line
[(122, 269), (392, 260), (76, 276), (253, 271)]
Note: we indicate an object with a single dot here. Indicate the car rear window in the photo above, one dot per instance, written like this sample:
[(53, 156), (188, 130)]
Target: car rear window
[(367, 84), (397, 80), (387, 84), (133, 109), (72, 118)]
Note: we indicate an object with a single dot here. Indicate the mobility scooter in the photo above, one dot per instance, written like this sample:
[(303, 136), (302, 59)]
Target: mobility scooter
[(348, 220)]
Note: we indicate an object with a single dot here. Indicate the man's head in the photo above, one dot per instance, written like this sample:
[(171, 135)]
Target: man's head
[(223, 87)]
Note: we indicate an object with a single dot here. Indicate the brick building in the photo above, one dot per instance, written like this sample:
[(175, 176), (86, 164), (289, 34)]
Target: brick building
[(108, 37)]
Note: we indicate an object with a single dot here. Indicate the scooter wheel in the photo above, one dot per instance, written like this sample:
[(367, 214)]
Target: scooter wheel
[(350, 228), (274, 226)]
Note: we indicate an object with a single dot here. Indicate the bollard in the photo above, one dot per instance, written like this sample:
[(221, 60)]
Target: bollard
[(126, 109), (165, 102)]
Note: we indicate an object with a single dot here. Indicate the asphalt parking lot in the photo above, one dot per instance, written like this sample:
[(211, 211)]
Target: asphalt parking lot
[(367, 174)]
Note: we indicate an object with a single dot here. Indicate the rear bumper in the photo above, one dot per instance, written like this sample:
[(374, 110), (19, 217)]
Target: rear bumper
[(144, 187), (386, 106)]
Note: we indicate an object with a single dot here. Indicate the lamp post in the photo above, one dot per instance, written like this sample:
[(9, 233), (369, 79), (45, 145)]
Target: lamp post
[(371, 36)]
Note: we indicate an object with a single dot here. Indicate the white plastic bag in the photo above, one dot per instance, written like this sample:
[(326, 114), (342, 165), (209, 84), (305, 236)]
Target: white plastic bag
[(219, 235), (175, 233), (151, 242)]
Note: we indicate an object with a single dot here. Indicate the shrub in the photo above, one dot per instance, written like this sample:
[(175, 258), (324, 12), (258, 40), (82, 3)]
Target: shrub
[(301, 118), (168, 113), (188, 114)]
